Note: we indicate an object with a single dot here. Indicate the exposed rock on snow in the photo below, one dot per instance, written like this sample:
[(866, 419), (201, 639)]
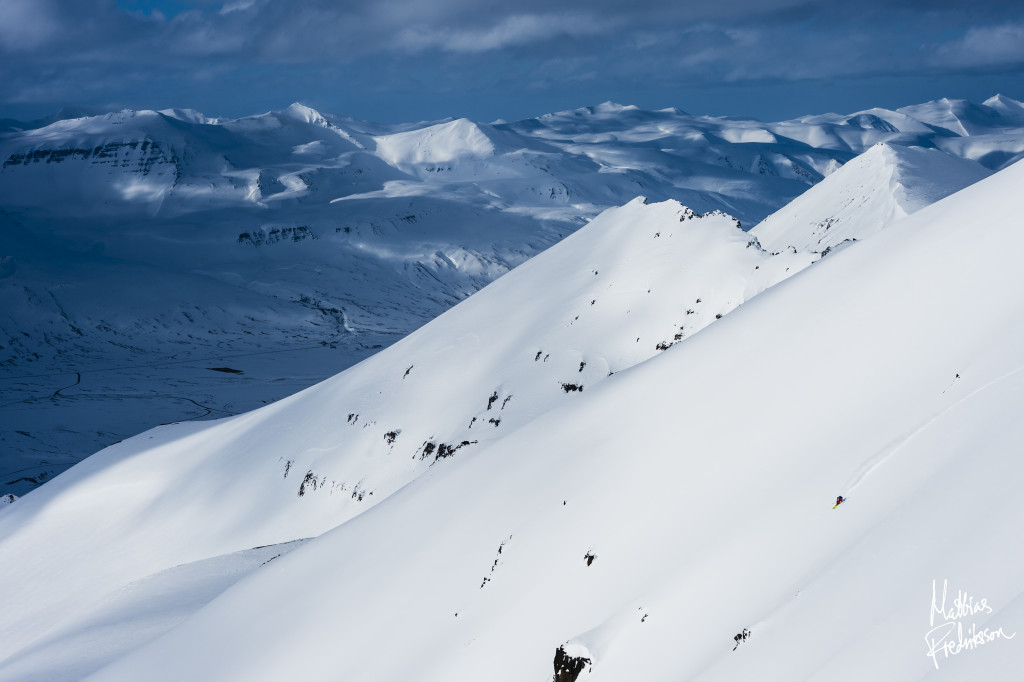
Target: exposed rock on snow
[(568, 666)]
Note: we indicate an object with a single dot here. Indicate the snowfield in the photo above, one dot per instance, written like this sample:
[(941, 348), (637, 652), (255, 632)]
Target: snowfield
[(548, 468)]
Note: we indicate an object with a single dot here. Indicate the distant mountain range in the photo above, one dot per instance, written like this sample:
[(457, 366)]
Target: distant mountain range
[(144, 253)]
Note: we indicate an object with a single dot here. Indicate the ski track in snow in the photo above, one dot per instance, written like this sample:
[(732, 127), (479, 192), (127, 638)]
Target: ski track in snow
[(78, 380), (885, 454)]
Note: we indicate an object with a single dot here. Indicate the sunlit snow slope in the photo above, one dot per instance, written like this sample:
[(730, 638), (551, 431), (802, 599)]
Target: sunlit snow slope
[(866, 195), (641, 522), (701, 484), (628, 286)]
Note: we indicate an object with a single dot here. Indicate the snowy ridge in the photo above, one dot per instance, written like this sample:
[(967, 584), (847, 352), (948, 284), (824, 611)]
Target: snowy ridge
[(866, 195), (1010, 110), (964, 118)]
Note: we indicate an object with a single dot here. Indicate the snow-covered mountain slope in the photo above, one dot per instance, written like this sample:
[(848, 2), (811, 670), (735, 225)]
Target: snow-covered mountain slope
[(628, 286), (680, 501), (964, 118), (869, 193), (1009, 110), (985, 132), (137, 613), (142, 248)]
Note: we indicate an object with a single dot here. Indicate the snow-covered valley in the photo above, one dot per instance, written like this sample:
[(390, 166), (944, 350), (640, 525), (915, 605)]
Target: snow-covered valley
[(617, 456)]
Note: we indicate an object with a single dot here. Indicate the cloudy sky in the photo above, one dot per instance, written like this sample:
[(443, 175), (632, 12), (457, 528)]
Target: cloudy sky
[(408, 60)]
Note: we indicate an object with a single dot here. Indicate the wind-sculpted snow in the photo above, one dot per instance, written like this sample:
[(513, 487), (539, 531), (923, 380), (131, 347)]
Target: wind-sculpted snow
[(141, 248)]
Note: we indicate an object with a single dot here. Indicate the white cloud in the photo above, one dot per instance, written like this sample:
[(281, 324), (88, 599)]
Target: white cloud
[(985, 46), (236, 6), (67, 50), (509, 32)]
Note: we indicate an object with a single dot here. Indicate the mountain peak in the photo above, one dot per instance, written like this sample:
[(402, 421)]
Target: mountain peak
[(1010, 110), (189, 116), (1001, 100), (611, 107), (867, 194), (437, 144), (306, 114)]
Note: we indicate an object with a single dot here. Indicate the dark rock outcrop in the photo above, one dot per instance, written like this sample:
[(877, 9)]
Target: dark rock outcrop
[(568, 668)]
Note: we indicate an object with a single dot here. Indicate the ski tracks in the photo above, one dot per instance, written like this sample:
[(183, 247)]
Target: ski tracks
[(883, 455)]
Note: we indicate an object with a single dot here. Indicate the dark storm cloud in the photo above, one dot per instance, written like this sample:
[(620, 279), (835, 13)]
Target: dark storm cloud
[(100, 50), (301, 30)]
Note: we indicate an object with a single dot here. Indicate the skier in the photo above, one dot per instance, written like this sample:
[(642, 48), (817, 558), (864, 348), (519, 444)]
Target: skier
[(839, 500)]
